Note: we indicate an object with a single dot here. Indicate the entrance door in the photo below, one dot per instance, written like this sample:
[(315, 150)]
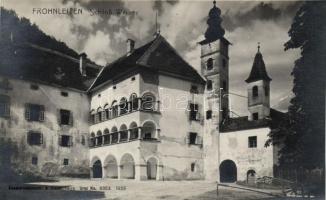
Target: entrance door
[(151, 169), (97, 169), (228, 171)]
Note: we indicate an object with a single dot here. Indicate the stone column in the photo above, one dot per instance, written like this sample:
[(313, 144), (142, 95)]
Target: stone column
[(119, 137), (110, 138), (128, 139), (119, 171), (139, 133), (139, 104)]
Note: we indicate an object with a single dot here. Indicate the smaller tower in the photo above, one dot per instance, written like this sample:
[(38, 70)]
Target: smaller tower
[(258, 89)]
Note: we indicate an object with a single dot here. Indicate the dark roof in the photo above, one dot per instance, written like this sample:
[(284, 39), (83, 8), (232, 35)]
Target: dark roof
[(33, 63), (157, 55), (242, 123), (258, 70)]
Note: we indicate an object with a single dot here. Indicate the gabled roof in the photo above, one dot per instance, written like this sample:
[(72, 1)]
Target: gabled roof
[(157, 55), (258, 70), (242, 123)]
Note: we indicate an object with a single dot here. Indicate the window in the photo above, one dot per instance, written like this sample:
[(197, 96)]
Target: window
[(34, 112), (99, 95), (114, 87), (255, 116), (133, 101), (255, 91), (194, 89), (192, 167), (193, 112), (65, 140), (65, 117), (65, 161), (133, 78), (208, 114), (209, 64), (64, 94), (34, 138), (34, 160), (192, 138), (224, 63), (34, 87), (266, 88), (123, 106), (4, 106), (209, 85), (252, 142), (224, 86), (148, 101)]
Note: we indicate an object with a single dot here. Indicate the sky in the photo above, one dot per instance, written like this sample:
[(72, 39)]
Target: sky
[(183, 23)]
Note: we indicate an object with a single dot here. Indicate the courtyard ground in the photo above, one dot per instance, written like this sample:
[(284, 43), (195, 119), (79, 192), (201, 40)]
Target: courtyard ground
[(131, 190)]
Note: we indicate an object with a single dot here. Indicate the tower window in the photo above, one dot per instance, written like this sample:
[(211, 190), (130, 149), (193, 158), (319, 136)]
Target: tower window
[(192, 138), (209, 64), (266, 90), (255, 91), (192, 167), (255, 116), (208, 114), (252, 141), (209, 85)]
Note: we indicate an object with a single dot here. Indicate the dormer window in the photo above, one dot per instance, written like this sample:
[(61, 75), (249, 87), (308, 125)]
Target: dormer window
[(209, 64)]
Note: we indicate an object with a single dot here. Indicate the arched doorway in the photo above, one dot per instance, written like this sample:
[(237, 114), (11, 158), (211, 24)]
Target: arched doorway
[(228, 171), (149, 131), (251, 177), (111, 167), (151, 169), (97, 169), (127, 170)]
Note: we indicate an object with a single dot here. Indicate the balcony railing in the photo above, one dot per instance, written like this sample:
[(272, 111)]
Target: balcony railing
[(122, 137), (126, 108)]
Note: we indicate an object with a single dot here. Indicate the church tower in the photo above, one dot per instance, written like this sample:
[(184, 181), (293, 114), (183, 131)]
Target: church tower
[(258, 89), (215, 68)]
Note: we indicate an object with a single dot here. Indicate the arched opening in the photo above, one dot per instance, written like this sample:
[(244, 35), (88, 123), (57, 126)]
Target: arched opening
[(251, 177), (228, 171), (151, 169), (114, 135), (255, 91), (133, 131), (93, 114), (97, 169), (123, 106), (123, 133), (92, 140), (127, 170), (133, 101), (111, 167), (106, 112), (148, 101), (114, 109), (209, 64), (99, 115), (149, 131), (99, 138), (106, 136)]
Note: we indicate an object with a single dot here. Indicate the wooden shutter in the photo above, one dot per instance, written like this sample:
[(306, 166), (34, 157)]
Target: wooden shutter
[(27, 111), (70, 141), (71, 119), (41, 114), (60, 140), (41, 138)]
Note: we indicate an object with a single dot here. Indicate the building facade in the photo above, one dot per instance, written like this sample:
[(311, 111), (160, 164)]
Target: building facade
[(149, 115)]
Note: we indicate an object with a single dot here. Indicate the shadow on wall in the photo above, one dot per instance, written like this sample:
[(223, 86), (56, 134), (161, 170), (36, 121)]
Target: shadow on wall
[(171, 174)]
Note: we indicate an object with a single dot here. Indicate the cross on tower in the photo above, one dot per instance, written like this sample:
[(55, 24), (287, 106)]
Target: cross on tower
[(258, 47)]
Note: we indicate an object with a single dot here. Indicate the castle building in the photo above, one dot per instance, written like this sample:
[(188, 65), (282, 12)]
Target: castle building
[(148, 115)]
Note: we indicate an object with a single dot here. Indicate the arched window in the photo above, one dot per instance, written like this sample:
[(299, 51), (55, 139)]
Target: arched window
[(106, 136), (114, 109), (115, 135), (149, 131), (99, 138), (133, 131), (209, 64), (92, 140), (148, 101), (255, 91), (99, 115), (209, 85), (123, 133), (123, 106), (106, 112), (133, 101), (93, 113)]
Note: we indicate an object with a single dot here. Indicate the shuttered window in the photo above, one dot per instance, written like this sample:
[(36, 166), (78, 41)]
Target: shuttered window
[(34, 138), (65, 140), (34, 112), (4, 106), (65, 117)]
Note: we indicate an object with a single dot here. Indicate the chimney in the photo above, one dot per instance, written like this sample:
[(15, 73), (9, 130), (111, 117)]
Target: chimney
[(130, 46), (82, 64)]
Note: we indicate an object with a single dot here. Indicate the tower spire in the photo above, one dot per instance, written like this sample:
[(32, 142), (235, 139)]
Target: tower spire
[(258, 47), (157, 29)]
